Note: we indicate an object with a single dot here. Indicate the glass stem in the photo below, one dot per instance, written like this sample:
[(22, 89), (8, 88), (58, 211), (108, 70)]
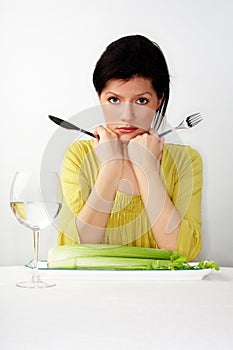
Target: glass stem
[(35, 275)]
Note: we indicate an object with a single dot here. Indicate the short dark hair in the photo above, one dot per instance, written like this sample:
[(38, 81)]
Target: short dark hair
[(131, 56)]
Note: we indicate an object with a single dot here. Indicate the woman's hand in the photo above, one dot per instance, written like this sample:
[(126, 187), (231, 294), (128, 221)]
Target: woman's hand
[(108, 146), (146, 150)]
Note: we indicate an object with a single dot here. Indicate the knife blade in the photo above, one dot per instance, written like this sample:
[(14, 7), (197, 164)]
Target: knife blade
[(70, 126)]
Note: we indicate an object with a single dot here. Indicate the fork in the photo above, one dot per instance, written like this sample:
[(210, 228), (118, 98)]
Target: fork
[(187, 123)]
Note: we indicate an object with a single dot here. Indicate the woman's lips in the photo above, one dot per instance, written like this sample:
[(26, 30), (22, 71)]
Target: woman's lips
[(126, 130)]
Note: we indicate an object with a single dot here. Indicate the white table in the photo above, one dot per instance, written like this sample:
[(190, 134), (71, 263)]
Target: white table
[(78, 314)]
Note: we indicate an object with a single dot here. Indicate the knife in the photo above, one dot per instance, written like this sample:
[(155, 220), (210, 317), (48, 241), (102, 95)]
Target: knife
[(68, 125)]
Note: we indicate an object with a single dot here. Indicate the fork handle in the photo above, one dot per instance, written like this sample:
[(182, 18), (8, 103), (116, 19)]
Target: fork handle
[(165, 133)]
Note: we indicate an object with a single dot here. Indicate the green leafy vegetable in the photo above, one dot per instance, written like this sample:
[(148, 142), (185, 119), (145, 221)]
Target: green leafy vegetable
[(207, 264)]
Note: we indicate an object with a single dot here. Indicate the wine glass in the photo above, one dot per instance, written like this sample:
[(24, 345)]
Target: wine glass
[(36, 200)]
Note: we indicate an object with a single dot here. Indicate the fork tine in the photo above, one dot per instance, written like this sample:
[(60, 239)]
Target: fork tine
[(194, 119), (194, 116), (195, 123)]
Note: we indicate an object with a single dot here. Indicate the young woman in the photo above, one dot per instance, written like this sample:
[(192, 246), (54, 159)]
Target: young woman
[(127, 187)]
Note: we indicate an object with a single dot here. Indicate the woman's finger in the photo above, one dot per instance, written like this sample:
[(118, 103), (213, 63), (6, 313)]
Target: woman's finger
[(154, 133)]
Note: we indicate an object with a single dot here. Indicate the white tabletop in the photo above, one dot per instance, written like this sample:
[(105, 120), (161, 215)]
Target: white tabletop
[(97, 314)]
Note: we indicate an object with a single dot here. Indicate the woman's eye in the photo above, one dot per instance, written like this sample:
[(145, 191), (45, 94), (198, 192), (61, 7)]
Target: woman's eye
[(142, 101), (113, 100)]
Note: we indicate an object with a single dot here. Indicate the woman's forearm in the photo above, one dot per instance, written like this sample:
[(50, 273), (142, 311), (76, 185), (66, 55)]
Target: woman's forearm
[(145, 153), (92, 219), (163, 217)]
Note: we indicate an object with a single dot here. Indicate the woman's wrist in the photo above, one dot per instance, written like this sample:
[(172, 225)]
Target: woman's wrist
[(100, 202)]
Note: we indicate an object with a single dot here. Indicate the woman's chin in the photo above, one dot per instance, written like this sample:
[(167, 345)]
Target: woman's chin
[(126, 138), (129, 136)]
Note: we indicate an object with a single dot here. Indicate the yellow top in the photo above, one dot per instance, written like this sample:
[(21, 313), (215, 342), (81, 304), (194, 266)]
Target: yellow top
[(181, 173)]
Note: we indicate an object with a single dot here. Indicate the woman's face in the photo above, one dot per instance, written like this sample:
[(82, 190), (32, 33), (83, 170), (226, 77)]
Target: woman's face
[(129, 106)]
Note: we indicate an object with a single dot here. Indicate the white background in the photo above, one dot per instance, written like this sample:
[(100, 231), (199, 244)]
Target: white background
[(48, 50)]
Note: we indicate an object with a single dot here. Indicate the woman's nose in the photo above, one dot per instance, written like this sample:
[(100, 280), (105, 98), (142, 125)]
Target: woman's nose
[(127, 113)]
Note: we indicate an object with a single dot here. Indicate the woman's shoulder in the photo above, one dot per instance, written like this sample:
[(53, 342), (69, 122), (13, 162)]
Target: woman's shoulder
[(81, 147), (181, 150), (180, 154)]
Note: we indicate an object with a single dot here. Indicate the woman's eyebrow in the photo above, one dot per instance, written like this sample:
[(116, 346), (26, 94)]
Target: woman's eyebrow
[(116, 94), (111, 93), (144, 93)]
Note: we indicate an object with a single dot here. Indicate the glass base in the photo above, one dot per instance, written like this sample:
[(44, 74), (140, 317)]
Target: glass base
[(35, 284)]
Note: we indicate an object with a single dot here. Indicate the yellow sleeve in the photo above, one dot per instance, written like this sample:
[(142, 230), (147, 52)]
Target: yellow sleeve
[(68, 233), (76, 184), (187, 199)]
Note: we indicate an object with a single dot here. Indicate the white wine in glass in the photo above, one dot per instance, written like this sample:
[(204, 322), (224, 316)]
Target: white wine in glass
[(36, 200)]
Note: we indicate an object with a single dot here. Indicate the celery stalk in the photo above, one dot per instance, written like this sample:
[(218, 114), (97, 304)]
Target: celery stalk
[(110, 263), (113, 263), (115, 257), (73, 250)]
